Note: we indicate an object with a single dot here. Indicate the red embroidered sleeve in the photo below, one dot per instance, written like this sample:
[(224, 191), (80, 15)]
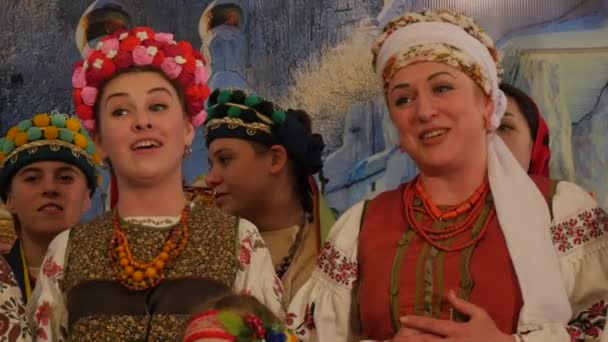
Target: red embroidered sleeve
[(589, 323)]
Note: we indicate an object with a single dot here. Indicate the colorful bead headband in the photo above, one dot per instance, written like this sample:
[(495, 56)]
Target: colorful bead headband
[(141, 47), (48, 137), (230, 326)]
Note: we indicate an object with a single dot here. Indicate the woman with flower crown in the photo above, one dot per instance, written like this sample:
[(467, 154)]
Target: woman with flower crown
[(472, 249), (137, 272)]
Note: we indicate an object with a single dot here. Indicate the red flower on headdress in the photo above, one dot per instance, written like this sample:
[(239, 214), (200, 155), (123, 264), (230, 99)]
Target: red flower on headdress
[(123, 59), (94, 77), (84, 112), (197, 93), (158, 59), (172, 50), (185, 78), (129, 43), (186, 48), (195, 106), (190, 65), (95, 55), (152, 42), (108, 68), (77, 96)]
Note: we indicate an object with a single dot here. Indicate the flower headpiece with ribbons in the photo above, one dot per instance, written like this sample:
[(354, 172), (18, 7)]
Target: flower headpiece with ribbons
[(55, 137), (230, 326), (142, 47)]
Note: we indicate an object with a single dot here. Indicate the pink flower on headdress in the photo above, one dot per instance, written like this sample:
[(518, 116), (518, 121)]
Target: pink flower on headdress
[(78, 78), (170, 68), (185, 78), (172, 51), (89, 125), (110, 47), (89, 95), (201, 76), (141, 56), (199, 119), (163, 37)]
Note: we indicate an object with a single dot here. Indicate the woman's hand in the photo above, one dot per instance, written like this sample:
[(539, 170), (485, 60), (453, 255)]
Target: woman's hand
[(479, 328)]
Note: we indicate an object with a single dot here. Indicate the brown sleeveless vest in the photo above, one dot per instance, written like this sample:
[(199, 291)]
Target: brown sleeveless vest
[(101, 309)]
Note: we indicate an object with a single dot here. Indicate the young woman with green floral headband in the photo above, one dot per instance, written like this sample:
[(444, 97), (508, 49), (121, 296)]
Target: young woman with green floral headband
[(262, 159)]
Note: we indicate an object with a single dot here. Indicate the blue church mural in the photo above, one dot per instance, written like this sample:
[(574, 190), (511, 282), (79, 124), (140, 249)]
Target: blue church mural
[(314, 54)]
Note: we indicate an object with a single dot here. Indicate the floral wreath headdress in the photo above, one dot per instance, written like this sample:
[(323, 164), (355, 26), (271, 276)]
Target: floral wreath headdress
[(140, 46), (230, 326)]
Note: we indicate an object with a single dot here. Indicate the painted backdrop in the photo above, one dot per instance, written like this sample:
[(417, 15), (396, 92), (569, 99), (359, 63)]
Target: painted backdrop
[(314, 54)]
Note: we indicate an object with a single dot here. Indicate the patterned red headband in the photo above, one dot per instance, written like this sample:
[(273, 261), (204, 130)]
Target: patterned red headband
[(141, 46)]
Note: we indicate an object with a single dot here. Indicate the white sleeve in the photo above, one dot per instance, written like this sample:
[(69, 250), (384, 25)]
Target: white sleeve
[(322, 309), (47, 309), (580, 237), (256, 275)]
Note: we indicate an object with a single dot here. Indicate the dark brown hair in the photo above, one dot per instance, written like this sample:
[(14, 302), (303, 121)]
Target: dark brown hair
[(525, 104), (301, 186)]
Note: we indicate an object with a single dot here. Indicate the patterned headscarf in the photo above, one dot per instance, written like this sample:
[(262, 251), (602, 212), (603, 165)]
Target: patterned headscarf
[(541, 152), (388, 60)]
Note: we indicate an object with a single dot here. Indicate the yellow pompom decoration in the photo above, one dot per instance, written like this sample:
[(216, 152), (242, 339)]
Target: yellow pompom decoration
[(12, 133), (73, 125), (42, 120), (51, 132), (80, 141), (96, 158), (20, 139)]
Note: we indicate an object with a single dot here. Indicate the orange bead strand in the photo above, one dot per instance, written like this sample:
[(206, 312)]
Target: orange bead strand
[(138, 275), (473, 206)]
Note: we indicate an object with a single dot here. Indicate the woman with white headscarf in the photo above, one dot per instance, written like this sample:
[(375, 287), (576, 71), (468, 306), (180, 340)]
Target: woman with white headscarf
[(472, 249)]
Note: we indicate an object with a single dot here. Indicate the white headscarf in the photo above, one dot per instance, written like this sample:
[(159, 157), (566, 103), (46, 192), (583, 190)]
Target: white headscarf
[(521, 208)]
